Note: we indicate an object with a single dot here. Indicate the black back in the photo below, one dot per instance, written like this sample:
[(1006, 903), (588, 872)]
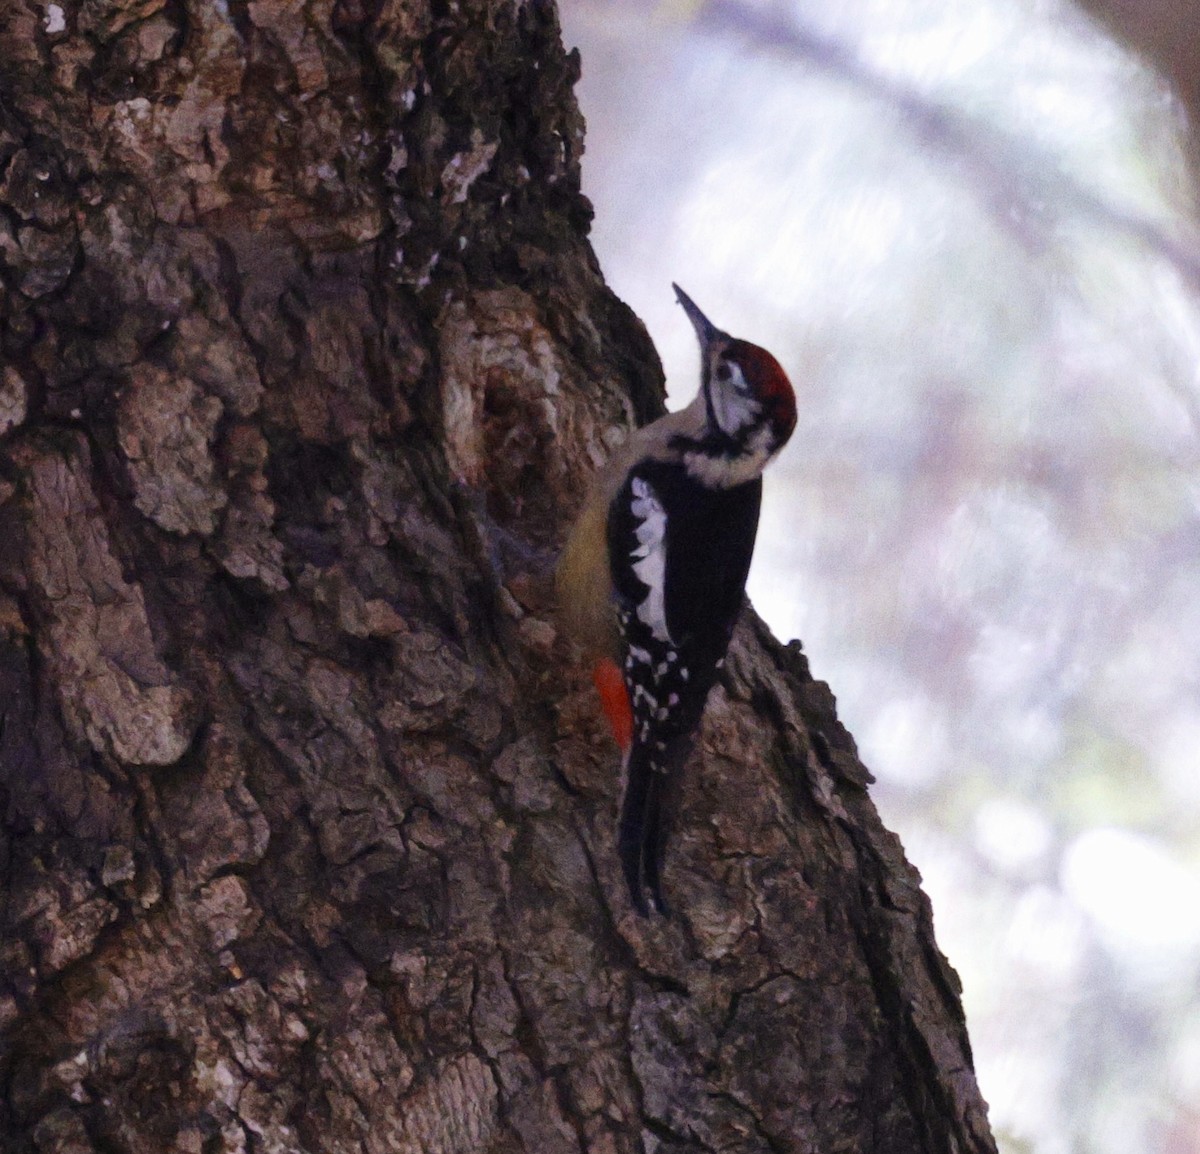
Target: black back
[(709, 538), (709, 542)]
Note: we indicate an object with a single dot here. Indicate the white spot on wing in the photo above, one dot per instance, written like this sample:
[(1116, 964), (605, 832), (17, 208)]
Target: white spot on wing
[(650, 557), (639, 655)]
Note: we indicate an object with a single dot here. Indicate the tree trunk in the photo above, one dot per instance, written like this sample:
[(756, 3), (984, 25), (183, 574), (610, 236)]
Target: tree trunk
[(308, 821)]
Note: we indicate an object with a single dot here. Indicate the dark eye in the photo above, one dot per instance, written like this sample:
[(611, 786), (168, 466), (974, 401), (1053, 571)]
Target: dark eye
[(723, 371)]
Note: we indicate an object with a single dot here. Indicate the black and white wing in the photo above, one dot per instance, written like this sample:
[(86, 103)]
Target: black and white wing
[(680, 556)]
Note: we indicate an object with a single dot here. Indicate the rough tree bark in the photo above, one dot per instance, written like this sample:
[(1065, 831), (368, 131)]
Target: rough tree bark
[(307, 824)]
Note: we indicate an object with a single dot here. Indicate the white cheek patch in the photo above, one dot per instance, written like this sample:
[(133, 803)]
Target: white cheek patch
[(732, 406), (650, 557)]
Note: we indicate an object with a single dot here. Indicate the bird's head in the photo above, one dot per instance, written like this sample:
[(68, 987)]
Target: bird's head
[(747, 395)]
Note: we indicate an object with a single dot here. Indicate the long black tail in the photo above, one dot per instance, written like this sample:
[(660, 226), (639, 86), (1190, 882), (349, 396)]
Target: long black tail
[(644, 828)]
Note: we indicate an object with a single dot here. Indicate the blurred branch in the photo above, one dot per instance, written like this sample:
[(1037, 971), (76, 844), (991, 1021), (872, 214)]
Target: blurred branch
[(1021, 183)]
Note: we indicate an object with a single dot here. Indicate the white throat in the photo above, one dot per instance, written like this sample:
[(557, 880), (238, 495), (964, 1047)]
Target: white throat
[(721, 471)]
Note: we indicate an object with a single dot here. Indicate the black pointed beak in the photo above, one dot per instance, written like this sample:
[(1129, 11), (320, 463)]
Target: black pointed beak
[(706, 331)]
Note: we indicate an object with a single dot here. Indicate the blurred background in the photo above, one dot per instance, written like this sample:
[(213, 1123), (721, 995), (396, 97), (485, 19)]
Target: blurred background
[(967, 229)]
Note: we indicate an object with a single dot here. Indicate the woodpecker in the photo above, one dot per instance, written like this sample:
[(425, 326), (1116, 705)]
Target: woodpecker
[(653, 576)]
